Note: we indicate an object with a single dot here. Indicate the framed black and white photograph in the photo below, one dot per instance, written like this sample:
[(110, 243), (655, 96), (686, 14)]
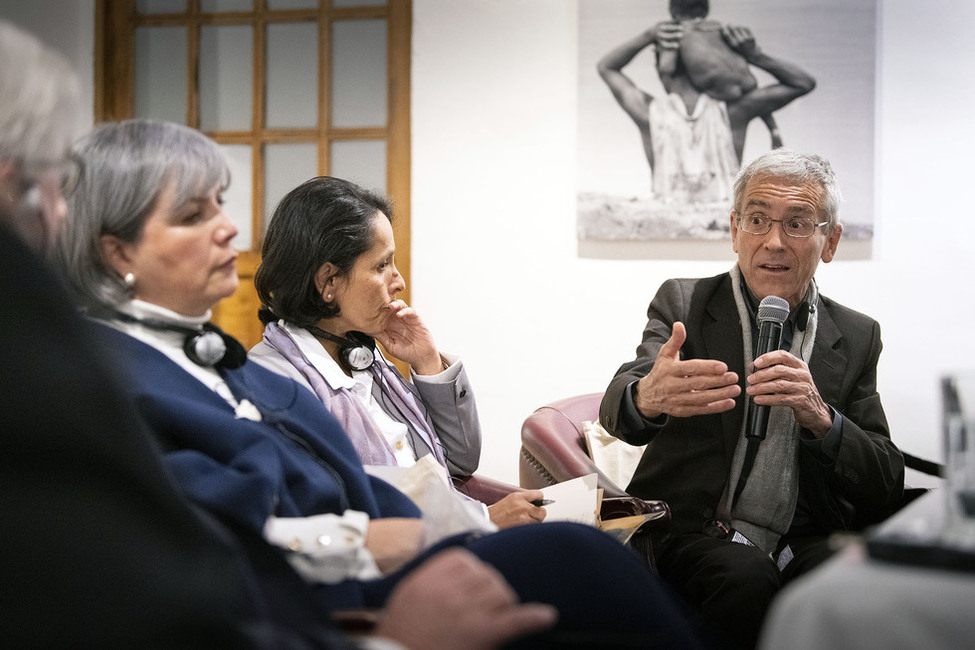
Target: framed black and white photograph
[(674, 95)]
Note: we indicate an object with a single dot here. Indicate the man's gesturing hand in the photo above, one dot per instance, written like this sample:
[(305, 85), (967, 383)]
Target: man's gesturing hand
[(685, 388)]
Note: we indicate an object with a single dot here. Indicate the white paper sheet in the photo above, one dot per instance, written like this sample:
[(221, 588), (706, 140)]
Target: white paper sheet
[(574, 500)]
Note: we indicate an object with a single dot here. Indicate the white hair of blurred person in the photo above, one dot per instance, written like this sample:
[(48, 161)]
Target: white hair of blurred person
[(40, 117)]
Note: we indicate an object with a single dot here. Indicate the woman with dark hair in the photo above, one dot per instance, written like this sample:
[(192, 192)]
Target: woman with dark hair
[(149, 253), (328, 284)]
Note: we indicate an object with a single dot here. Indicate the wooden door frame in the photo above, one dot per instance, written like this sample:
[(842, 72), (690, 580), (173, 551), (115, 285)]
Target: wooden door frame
[(114, 92)]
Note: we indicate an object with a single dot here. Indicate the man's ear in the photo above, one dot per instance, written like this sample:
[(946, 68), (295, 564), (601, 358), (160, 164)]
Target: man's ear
[(832, 241), (734, 231), (116, 254), (325, 278)]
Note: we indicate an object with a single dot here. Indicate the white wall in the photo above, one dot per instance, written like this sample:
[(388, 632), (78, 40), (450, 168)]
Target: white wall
[(495, 270)]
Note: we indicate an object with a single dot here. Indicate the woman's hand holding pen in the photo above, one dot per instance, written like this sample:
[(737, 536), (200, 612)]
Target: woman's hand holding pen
[(518, 508)]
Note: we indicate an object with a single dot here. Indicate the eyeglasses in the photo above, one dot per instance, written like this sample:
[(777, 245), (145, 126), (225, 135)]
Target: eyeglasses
[(67, 172), (760, 224)]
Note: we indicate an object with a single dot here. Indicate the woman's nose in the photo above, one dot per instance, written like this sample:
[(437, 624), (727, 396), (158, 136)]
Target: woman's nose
[(227, 229), (398, 283)]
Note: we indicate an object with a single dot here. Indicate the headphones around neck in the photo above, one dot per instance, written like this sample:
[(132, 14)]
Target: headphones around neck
[(208, 347), (357, 351)]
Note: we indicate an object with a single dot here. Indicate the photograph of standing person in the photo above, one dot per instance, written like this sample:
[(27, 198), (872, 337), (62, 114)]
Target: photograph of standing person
[(692, 76)]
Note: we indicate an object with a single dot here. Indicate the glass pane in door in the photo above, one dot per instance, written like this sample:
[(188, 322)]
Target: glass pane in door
[(160, 6), (215, 6), (237, 202), (358, 3), (359, 73), (226, 73), (292, 75), (361, 161), (160, 73), (275, 5), (286, 166)]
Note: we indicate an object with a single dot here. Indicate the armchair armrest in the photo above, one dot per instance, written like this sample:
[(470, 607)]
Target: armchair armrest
[(553, 445), (484, 489)]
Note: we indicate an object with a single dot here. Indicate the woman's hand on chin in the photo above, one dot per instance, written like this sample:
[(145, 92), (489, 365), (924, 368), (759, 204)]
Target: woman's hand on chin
[(406, 337)]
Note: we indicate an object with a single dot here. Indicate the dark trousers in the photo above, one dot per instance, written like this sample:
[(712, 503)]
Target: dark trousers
[(606, 596), (732, 585)]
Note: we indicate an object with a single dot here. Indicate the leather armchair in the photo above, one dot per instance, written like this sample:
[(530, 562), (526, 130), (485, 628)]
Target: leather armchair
[(483, 488), (553, 450)]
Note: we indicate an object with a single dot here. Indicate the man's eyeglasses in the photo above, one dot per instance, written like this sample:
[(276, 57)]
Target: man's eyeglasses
[(760, 224)]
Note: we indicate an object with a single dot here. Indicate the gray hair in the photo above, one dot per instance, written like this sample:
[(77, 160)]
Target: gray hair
[(125, 167), (40, 98), (795, 167)]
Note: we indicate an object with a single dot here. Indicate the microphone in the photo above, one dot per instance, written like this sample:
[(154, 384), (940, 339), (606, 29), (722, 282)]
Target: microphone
[(772, 313)]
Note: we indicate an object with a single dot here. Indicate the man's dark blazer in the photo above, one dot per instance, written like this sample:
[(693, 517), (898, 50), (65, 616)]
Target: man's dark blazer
[(687, 460), (99, 547)]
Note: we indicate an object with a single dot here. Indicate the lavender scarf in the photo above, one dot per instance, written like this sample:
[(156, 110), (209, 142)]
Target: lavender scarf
[(366, 437)]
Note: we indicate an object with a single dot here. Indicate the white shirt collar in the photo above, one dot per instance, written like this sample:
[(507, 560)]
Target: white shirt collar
[(171, 343), (143, 309)]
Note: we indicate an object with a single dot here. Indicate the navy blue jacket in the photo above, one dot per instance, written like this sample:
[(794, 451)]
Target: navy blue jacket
[(296, 462)]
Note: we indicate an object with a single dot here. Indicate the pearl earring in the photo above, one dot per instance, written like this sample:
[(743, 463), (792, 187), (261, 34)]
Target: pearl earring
[(129, 280)]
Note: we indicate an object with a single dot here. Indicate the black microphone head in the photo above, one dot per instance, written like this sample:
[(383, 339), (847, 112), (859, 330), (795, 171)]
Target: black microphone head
[(773, 308)]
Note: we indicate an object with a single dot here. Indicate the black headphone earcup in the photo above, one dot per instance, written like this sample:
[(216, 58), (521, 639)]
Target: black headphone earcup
[(236, 355), (359, 351), (212, 347), (204, 348)]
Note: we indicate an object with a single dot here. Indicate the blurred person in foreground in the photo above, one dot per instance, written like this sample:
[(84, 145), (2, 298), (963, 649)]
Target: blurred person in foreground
[(100, 549)]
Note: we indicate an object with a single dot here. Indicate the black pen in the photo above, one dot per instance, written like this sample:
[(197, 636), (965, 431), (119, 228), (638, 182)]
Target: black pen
[(542, 502)]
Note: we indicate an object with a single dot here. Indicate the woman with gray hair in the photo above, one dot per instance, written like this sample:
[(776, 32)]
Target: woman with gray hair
[(130, 169), (149, 253)]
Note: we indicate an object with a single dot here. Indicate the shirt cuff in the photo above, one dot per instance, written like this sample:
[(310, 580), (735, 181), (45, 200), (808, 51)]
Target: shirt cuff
[(827, 448), (325, 548), (447, 375), (630, 417)]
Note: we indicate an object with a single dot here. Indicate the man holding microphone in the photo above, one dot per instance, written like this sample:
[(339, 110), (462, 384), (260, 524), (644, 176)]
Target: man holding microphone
[(748, 518)]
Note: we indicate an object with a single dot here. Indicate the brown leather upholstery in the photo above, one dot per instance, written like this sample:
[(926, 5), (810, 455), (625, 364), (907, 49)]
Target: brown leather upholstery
[(486, 490), (553, 449)]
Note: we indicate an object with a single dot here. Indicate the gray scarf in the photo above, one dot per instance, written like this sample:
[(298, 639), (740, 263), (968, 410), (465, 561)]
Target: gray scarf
[(766, 505)]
